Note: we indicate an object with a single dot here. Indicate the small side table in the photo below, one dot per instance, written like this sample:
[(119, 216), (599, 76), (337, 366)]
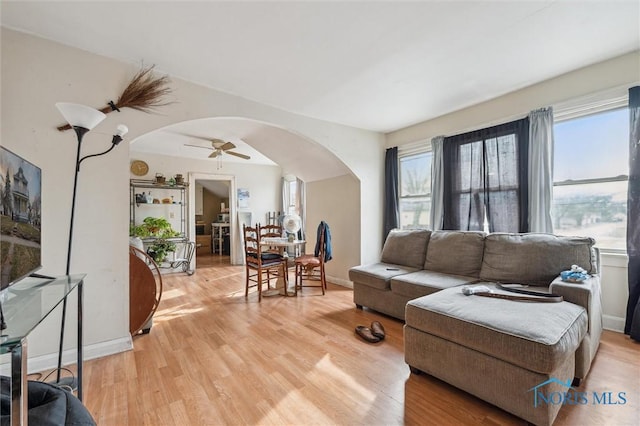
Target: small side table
[(28, 302)]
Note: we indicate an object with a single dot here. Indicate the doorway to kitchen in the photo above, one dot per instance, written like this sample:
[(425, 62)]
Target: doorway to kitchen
[(213, 218)]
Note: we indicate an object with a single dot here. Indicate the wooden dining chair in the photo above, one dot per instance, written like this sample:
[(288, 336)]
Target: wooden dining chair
[(261, 267), (310, 267), (270, 231)]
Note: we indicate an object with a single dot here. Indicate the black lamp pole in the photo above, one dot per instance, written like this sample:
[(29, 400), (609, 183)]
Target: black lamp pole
[(80, 132)]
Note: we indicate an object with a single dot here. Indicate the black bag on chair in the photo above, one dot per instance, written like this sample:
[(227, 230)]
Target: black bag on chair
[(48, 406)]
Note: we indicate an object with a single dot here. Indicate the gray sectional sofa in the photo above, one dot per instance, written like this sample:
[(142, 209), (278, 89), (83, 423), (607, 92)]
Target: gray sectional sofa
[(518, 345)]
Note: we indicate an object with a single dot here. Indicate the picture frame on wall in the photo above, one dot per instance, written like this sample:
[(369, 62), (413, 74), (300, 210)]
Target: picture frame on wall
[(243, 198)]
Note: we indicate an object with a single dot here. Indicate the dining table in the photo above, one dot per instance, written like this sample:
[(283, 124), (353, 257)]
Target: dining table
[(281, 244)]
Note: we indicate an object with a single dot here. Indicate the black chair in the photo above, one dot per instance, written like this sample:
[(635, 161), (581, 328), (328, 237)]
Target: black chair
[(47, 405)]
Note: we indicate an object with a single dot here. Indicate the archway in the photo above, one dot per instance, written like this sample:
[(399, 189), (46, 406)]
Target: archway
[(335, 190), (293, 152)]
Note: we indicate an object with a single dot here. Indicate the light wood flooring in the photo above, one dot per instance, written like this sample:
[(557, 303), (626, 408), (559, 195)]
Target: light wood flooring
[(214, 357)]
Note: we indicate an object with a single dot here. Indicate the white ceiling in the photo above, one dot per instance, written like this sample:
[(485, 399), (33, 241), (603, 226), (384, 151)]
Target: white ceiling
[(264, 143), (375, 65)]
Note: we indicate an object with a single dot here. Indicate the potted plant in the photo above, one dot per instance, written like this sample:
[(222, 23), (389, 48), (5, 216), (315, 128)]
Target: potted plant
[(160, 248), (159, 230)]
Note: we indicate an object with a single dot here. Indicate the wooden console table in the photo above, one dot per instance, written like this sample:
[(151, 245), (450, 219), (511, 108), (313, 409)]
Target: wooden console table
[(26, 304)]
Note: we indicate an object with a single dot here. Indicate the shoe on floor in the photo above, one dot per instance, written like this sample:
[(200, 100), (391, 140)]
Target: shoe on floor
[(366, 334), (377, 330)]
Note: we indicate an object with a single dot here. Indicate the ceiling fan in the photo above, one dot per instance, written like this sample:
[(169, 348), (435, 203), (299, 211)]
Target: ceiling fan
[(218, 146)]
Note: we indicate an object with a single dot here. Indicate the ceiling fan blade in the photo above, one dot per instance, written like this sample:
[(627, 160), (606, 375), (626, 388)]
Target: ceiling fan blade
[(196, 137), (246, 157), (214, 154), (198, 146), (227, 146)]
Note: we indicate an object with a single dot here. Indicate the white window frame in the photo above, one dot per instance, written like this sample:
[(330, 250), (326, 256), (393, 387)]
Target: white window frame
[(419, 148), (614, 99)]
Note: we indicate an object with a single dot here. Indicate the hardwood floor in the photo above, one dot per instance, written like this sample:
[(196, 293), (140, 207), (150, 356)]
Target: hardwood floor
[(214, 357)]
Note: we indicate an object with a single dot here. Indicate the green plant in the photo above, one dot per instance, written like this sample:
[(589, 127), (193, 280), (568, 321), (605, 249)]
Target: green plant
[(160, 230), (160, 248), (157, 227)]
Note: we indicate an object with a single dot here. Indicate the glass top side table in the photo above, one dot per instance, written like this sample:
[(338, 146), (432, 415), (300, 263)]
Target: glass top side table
[(25, 305)]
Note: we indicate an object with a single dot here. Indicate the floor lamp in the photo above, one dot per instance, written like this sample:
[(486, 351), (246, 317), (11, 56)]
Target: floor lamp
[(82, 119)]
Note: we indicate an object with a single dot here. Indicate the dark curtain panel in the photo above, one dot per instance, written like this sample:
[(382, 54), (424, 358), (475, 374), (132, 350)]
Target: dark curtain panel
[(391, 210), (485, 176), (632, 324), (463, 185)]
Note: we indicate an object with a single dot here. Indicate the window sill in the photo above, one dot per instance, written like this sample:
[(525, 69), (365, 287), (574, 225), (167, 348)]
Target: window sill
[(614, 258)]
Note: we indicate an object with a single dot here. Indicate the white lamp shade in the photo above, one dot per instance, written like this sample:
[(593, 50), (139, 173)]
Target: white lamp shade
[(78, 115)]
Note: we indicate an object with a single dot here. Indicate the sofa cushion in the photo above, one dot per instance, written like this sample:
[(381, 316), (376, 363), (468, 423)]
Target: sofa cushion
[(535, 336), (455, 252), (377, 275), (534, 259), (422, 283), (406, 247)]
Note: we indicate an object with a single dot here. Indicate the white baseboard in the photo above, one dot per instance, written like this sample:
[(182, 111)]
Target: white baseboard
[(97, 350), (612, 323), (340, 281)]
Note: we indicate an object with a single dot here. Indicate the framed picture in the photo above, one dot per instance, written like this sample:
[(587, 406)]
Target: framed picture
[(243, 198)]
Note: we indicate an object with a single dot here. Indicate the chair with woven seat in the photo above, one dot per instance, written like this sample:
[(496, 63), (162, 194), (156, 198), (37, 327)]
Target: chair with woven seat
[(310, 267), (261, 266)]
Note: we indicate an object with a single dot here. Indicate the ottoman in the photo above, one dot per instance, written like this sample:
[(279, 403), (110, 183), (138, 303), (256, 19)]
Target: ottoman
[(504, 352)]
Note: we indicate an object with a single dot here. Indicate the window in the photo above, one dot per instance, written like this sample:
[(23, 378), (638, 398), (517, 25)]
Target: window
[(485, 184), (292, 196), (415, 190), (292, 207), (591, 166)]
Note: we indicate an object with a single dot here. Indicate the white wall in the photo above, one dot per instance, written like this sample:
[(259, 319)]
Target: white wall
[(263, 181), (36, 74), (621, 72), (334, 200)]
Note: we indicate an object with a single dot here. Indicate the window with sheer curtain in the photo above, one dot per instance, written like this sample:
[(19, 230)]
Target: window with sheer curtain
[(485, 179)]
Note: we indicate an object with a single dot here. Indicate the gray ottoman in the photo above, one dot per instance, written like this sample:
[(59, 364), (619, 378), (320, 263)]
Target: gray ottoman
[(501, 351)]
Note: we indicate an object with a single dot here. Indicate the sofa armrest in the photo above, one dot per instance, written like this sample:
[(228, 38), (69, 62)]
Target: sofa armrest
[(587, 294)]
